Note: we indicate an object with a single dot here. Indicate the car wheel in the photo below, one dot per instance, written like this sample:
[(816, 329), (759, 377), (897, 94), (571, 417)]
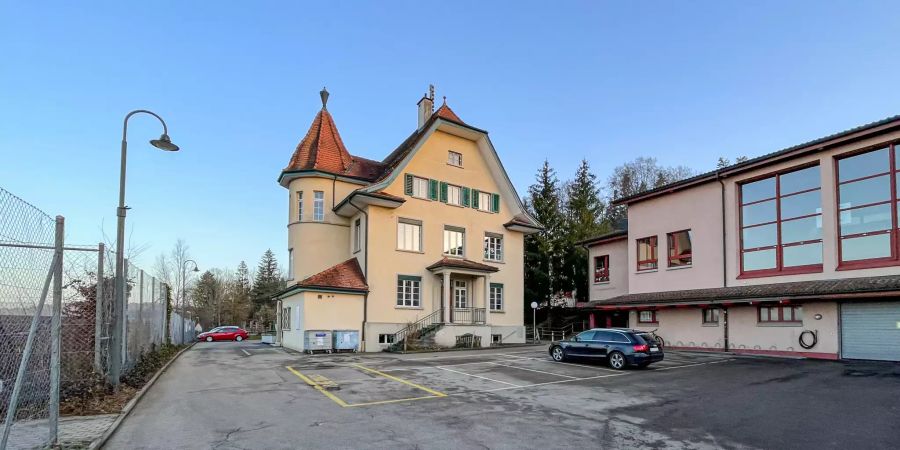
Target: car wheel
[(209, 339), (558, 354), (239, 338), (617, 360)]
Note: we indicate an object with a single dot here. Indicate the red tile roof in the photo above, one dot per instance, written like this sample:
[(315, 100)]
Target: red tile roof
[(445, 112), (462, 264), (346, 275), (322, 149)]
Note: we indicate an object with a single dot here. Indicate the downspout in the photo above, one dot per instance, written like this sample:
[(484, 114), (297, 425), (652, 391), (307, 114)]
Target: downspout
[(365, 272), (724, 256)]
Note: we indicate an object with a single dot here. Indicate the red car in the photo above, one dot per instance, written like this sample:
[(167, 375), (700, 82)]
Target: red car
[(223, 334)]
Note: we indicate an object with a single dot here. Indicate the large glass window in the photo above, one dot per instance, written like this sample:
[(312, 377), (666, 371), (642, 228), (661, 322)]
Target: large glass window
[(867, 197), (781, 223), (409, 235), (601, 269), (496, 301), (679, 244), (493, 247), (318, 206), (409, 291), (454, 241), (646, 254)]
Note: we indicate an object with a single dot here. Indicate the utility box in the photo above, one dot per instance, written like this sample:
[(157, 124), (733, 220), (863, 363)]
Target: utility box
[(317, 341), (346, 340)]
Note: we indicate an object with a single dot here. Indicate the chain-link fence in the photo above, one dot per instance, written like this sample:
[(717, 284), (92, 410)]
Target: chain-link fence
[(63, 331)]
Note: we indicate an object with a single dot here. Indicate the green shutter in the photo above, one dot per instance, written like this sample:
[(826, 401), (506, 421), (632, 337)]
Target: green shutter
[(407, 186), (475, 198), (433, 189), (443, 192), (496, 203), (465, 196)]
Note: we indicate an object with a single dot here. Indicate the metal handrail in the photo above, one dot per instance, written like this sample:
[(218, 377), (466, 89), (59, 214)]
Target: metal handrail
[(469, 315), (434, 318)]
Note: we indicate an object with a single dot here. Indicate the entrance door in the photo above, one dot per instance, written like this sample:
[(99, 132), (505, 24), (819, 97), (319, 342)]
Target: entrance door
[(460, 294), (871, 330)]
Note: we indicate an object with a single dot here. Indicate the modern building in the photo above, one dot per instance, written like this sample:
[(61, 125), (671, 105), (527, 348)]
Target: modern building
[(793, 253), (431, 237)]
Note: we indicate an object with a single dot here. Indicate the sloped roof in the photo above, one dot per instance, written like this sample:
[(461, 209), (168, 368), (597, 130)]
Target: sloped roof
[(346, 275), (461, 264), (805, 289), (445, 112)]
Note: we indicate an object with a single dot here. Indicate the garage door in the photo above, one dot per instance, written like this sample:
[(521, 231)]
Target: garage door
[(871, 331)]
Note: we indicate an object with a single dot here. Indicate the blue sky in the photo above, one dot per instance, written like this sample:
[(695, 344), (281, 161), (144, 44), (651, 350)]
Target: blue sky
[(238, 84)]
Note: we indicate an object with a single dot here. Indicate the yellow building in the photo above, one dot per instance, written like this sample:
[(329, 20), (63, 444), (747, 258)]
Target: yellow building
[(422, 248)]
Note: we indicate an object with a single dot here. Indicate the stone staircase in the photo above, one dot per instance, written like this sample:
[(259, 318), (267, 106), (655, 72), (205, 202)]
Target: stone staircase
[(418, 335)]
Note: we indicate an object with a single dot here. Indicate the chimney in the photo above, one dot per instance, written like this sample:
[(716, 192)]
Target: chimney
[(426, 106)]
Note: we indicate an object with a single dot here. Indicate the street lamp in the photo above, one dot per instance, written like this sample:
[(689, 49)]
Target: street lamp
[(115, 343), (534, 331), (184, 292)]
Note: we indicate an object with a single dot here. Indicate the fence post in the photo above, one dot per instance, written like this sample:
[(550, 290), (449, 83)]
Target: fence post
[(55, 335), (99, 309), (26, 353), (123, 319)]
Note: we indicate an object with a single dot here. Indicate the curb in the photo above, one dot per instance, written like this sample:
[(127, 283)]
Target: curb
[(99, 442)]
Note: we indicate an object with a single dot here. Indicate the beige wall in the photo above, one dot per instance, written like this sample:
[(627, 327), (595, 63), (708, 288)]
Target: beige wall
[(321, 311), (618, 270), (684, 328), (329, 240)]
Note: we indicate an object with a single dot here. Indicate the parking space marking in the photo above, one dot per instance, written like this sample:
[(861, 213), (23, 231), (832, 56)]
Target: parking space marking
[(532, 370), (245, 352), (343, 404), (316, 386), (548, 382), (566, 363), (477, 376), (401, 380), (691, 365)]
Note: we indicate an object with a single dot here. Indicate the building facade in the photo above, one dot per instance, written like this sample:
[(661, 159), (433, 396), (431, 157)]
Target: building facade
[(432, 234), (794, 253)]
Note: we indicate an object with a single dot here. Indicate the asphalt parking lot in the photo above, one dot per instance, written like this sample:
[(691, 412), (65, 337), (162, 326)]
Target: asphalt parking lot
[(247, 395)]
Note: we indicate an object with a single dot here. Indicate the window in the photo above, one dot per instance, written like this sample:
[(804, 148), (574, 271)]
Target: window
[(290, 264), (385, 338), (646, 316), (454, 195), (493, 247), (496, 294), (484, 201), (586, 336), (679, 244), (420, 187), (460, 294), (867, 196), (601, 269), (711, 315), (285, 318), (318, 206), (646, 253), (357, 234), (299, 205), (781, 223), (408, 291), (454, 241), (496, 339), (409, 235), (454, 158), (792, 314)]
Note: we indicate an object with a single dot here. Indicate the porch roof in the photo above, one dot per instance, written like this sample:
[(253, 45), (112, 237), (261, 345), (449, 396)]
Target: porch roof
[(880, 286), (460, 263)]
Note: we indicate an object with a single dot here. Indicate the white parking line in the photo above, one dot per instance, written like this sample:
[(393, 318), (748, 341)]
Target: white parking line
[(691, 365), (560, 362), (545, 384), (245, 352), (478, 376), (532, 370)]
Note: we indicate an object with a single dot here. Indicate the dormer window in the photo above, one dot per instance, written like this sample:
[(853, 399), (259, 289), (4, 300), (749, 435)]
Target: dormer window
[(454, 158)]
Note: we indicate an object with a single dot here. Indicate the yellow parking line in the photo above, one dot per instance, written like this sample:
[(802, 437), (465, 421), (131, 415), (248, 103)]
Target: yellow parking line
[(401, 380), (383, 402), (318, 388)]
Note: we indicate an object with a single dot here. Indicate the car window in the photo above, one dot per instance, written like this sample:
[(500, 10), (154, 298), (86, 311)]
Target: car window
[(618, 337), (643, 338), (586, 336), (604, 336)]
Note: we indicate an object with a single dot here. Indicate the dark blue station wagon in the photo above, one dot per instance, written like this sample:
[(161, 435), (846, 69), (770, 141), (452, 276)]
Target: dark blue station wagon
[(621, 347)]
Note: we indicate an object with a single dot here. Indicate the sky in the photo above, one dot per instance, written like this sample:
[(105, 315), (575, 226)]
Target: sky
[(238, 82)]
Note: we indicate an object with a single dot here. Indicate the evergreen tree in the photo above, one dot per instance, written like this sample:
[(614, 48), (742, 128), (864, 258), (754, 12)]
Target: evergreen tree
[(584, 211), (543, 259), (238, 304), (268, 280)]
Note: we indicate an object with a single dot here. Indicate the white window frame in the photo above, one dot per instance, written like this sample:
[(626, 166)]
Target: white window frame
[(290, 264), (319, 206), (496, 297), (286, 318), (357, 234), (450, 234), (485, 201), (493, 247), (402, 244), (454, 195), (420, 187), (385, 338), (409, 292), (299, 206), (460, 286), (454, 158)]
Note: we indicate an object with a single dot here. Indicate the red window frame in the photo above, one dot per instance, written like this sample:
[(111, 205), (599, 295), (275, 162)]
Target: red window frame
[(779, 246), (654, 253), (780, 310), (705, 310), (601, 275), (893, 173), (674, 252), (652, 316)]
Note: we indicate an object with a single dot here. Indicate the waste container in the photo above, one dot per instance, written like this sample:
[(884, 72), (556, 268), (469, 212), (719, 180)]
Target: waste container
[(317, 341), (346, 340)]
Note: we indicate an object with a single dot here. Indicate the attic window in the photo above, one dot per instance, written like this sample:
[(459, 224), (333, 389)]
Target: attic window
[(454, 158)]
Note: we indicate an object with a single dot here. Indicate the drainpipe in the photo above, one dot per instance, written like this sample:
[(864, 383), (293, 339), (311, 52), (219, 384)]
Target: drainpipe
[(365, 272), (724, 256)]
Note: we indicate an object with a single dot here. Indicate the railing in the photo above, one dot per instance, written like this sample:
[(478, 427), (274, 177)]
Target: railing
[(555, 334), (470, 316), (435, 318)]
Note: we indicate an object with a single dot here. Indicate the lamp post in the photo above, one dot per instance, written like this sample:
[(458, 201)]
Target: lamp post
[(534, 332), (184, 291), (115, 341)]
